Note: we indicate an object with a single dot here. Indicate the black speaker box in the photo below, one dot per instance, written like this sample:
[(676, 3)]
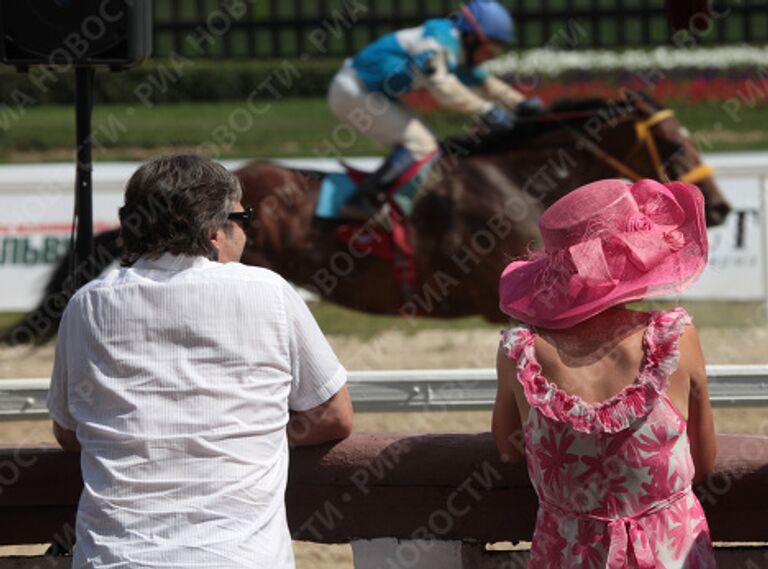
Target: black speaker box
[(69, 33)]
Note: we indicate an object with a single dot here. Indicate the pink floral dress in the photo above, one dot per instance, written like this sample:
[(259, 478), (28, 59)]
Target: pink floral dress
[(613, 478)]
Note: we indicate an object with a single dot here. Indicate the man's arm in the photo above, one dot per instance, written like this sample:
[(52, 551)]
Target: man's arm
[(66, 438), (328, 421), (319, 402), (446, 87), (453, 95)]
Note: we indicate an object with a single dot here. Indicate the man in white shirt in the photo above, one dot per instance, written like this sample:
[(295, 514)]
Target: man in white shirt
[(182, 378)]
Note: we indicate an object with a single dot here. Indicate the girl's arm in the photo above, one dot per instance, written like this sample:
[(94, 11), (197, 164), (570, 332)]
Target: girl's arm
[(701, 427), (506, 425)]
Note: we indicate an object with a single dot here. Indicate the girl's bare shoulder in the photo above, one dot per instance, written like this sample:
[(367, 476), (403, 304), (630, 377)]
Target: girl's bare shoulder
[(691, 355)]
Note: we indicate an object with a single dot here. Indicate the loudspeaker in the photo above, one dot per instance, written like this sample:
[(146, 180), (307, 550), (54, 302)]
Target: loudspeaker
[(77, 33)]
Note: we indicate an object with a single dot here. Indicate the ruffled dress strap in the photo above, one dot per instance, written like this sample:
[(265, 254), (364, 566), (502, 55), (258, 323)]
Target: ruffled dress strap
[(514, 340), (661, 343)]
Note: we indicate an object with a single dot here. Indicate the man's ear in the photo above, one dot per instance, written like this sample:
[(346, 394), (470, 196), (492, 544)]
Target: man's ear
[(216, 235)]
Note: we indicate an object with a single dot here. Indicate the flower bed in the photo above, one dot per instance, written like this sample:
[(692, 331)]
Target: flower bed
[(695, 89)]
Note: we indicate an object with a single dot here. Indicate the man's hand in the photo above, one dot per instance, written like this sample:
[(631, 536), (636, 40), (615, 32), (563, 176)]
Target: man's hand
[(67, 439), (499, 118)]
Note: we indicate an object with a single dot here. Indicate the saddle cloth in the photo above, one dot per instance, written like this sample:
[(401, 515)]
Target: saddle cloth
[(337, 187), (390, 240)]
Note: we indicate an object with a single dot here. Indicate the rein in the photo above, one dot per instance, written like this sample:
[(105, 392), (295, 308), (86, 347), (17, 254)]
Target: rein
[(643, 130), (557, 117)]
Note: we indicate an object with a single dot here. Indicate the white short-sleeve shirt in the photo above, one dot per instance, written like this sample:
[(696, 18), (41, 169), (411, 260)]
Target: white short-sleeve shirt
[(177, 375)]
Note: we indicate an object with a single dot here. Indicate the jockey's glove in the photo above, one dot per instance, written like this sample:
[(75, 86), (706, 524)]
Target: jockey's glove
[(499, 118), (531, 106)]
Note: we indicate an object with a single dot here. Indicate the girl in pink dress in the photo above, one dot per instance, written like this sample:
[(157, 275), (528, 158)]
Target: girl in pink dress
[(609, 405)]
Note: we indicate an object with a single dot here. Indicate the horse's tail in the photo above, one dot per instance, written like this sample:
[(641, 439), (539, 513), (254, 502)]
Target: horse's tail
[(41, 324)]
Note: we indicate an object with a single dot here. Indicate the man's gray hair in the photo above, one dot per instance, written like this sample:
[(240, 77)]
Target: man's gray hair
[(171, 205)]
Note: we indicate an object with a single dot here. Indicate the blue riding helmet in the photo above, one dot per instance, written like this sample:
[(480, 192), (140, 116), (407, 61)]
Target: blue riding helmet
[(493, 19)]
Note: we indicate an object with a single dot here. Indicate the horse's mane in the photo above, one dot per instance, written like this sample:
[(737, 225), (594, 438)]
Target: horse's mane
[(528, 127)]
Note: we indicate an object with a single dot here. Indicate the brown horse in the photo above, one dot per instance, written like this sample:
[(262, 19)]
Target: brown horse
[(478, 209)]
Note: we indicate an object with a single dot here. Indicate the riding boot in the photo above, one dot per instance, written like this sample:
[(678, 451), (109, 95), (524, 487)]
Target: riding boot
[(367, 199)]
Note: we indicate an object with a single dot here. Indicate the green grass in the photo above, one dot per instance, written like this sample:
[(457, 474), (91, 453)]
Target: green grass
[(709, 314), (8, 318), (288, 127), (336, 320), (717, 129)]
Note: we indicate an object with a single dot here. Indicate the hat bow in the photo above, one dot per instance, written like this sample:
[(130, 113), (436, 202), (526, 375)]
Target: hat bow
[(643, 243)]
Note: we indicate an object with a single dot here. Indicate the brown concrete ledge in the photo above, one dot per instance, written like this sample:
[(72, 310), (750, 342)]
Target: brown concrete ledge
[(35, 562), (475, 557), (451, 487)]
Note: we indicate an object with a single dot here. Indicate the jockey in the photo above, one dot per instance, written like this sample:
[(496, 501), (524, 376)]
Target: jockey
[(443, 56)]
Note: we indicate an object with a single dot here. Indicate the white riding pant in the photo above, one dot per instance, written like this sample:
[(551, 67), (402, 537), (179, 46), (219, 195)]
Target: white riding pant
[(376, 116)]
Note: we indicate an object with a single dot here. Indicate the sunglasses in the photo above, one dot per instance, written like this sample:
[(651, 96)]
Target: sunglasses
[(244, 218)]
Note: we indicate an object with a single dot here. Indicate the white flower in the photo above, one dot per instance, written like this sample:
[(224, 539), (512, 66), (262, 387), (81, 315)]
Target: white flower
[(553, 62), (579, 409)]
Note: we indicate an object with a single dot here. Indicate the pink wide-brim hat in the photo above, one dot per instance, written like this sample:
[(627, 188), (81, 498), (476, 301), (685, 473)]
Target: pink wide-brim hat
[(607, 243)]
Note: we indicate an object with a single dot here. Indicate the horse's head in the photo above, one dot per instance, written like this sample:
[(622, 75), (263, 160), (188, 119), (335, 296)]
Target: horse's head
[(663, 149), (634, 137)]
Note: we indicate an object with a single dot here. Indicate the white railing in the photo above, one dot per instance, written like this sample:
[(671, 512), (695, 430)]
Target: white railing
[(36, 200), (424, 390)]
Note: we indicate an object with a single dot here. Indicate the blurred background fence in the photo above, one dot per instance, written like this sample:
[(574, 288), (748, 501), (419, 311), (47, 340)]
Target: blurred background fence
[(215, 50), (283, 28)]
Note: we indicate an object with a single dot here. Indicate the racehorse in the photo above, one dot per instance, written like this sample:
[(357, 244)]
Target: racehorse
[(477, 209)]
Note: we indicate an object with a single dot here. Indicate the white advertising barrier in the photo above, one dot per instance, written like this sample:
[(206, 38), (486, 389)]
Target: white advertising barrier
[(36, 210), (37, 202)]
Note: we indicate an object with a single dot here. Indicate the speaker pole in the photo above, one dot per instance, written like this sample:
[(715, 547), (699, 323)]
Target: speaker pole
[(84, 77)]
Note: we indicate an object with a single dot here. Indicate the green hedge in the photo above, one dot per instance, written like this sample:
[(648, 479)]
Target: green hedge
[(180, 80)]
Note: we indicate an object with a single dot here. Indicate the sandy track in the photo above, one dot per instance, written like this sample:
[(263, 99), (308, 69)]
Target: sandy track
[(432, 349)]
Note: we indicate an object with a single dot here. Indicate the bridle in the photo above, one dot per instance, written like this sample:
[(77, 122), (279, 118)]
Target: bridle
[(643, 130)]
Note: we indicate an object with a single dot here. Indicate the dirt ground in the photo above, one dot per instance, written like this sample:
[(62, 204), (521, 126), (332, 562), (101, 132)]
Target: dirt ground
[(422, 350), (434, 349)]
